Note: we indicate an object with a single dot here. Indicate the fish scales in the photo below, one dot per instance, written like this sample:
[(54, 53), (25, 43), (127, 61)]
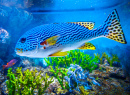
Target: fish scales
[(65, 30)]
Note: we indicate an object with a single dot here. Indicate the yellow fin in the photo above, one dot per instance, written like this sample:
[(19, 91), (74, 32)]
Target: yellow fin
[(113, 28), (89, 25), (58, 54), (52, 40), (87, 46)]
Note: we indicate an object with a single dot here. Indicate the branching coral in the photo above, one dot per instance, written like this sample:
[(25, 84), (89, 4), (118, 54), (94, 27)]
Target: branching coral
[(58, 61), (100, 57), (60, 74), (110, 60), (25, 82), (89, 63)]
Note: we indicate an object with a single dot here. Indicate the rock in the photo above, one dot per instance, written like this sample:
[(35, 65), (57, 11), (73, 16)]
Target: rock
[(127, 89), (109, 69), (2, 78), (114, 75), (116, 64), (115, 83)]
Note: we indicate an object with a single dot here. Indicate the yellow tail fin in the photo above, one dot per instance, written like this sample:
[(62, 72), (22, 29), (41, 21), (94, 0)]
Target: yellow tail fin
[(113, 29)]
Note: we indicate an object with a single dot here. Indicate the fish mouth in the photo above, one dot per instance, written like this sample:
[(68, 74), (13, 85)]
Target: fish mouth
[(19, 50)]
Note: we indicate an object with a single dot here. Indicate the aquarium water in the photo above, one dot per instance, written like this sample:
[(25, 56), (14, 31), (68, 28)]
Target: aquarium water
[(64, 47)]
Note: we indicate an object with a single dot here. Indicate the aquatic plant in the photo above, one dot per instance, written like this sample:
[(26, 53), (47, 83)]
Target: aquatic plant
[(74, 57), (25, 82), (60, 73), (88, 63), (11, 83), (58, 61), (100, 57), (83, 91), (112, 59)]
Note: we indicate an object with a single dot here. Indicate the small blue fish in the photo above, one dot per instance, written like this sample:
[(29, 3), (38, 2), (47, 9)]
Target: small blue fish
[(54, 40)]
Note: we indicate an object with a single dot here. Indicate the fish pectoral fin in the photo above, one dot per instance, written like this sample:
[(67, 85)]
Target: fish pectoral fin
[(89, 25), (87, 46), (50, 41), (58, 54)]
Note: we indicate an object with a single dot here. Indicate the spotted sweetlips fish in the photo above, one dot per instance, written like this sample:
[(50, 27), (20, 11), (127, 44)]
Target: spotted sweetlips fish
[(56, 39)]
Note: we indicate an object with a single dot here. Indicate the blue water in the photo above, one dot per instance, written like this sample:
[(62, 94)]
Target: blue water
[(19, 16)]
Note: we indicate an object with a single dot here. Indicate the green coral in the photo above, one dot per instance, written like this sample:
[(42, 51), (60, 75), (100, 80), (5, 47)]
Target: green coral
[(58, 61), (25, 82), (74, 57), (83, 91), (60, 73), (112, 59), (89, 63), (100, 57)]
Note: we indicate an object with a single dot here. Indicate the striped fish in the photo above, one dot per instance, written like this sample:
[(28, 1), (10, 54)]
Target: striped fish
[(54, 40)]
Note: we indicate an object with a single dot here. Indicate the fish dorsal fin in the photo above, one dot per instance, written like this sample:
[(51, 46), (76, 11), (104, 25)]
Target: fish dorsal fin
[(87, 46), (89, 25), (50, 41)]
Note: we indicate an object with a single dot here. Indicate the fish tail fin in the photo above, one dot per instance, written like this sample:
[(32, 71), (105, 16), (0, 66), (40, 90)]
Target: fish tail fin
[(4, 66), (112, 28)]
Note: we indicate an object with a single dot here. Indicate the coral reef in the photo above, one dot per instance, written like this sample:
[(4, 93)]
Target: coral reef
[(106, 80), (112, 80)]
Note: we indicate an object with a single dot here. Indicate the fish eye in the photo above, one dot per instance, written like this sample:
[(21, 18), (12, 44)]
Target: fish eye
[(23, 40)]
